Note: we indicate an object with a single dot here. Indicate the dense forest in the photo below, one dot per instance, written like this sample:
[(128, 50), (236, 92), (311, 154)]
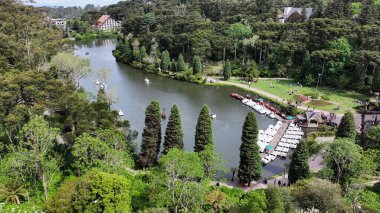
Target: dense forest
[(69, 12), (340, 40), (62, 152)]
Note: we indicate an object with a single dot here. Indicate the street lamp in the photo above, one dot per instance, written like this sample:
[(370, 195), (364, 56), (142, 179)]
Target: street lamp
[(319, 75)]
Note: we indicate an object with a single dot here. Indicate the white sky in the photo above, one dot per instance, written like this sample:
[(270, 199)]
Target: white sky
[(81, 3)]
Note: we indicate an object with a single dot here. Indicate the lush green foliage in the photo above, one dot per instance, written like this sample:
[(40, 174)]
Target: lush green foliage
[(338, 41), (346, 128), (227, 70), (59, 152), (250, 163), (299, 166), (94, 192), (320, 194), (173, 134), (151, 136), (203, 130)]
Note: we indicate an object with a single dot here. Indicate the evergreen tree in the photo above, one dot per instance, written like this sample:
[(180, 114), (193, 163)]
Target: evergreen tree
[(250, 163), (203, 131), (306, 65), (173, 66), (173, 134), (165, 60), (181, 64), (227, 70), (368, 14), (299, 166), (151, 136), (376, 82), (197, 65), (143, 53), (346, 128)]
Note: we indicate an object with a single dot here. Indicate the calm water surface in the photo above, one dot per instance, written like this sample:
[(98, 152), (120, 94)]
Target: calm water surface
[(134, 95)]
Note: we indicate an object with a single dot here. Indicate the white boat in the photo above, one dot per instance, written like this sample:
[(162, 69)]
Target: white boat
[(272, 115), (146, 80), (261, 111), (265, 160), (121, 113), (213, 116), (97, 82), (273, 155), (103, 85)]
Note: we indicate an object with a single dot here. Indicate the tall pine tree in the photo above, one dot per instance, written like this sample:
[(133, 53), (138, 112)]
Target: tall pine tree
[(203, 131), (165, 61), (299, 166), (151, 136), (181, 64), (173, 134), (227, 70), (197, 65), (306, 65), (346, 128), (250, 163), (368, 14), (173, 66), (376, 81)]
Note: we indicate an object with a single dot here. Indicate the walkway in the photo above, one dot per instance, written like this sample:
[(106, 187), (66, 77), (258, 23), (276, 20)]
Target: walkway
[(262, 92), (277, 137)]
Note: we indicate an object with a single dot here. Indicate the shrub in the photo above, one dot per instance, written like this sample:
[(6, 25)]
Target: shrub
[(313, 95), (325, 97)]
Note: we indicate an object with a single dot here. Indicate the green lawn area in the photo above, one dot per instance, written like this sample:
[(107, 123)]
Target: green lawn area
[(281, 88)]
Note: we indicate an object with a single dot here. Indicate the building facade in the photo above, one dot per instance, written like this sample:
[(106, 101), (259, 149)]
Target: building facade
[(60, 22), (105, 22)]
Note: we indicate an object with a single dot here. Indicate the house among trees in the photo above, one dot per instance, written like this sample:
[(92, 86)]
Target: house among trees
[(312, 119), (105, 22), (294, 14), (60, 22)]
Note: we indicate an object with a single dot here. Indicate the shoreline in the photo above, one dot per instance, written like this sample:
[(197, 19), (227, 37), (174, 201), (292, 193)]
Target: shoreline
[(206, 82)]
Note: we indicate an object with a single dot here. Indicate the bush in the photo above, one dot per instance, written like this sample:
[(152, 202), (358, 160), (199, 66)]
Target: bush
[(151, 68), (137, 65), (325, 97), (313, 95), (312, 146), (92, 192)]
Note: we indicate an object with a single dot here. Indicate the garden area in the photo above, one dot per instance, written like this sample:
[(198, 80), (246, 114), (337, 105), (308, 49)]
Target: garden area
[(327, 99)]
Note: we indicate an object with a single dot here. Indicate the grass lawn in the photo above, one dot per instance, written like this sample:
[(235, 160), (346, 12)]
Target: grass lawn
[(282, 88)]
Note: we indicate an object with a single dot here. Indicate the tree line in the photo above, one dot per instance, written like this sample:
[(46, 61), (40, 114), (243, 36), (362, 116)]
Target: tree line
[(61, 151), (339, 40)]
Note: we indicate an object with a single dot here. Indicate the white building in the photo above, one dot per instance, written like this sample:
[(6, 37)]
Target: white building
[(60, 22), (105, 22), (291, 13)]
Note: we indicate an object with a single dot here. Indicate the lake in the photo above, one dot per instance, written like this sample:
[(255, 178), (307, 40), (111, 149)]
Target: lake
[(133, 95)]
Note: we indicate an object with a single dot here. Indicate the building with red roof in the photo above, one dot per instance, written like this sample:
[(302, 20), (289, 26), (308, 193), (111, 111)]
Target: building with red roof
[(105, 22)]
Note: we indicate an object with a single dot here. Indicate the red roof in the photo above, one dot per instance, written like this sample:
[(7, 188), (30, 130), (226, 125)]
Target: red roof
[(102, 19)]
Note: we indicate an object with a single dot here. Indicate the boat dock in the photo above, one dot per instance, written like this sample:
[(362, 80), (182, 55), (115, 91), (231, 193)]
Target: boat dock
[(277, 137)]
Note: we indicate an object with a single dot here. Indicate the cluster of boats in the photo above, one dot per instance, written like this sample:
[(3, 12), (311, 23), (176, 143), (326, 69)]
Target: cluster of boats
[(290, 140), (265, 137), (258, 107)]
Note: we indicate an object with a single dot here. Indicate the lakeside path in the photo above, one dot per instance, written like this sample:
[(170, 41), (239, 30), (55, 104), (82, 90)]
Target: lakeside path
[(261, 92)]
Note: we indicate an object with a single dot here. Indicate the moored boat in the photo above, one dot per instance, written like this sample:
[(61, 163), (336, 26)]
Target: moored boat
[(237, 96)]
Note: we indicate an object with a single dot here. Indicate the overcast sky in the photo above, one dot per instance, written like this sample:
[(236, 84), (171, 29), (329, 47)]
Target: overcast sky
[(81, 3)]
